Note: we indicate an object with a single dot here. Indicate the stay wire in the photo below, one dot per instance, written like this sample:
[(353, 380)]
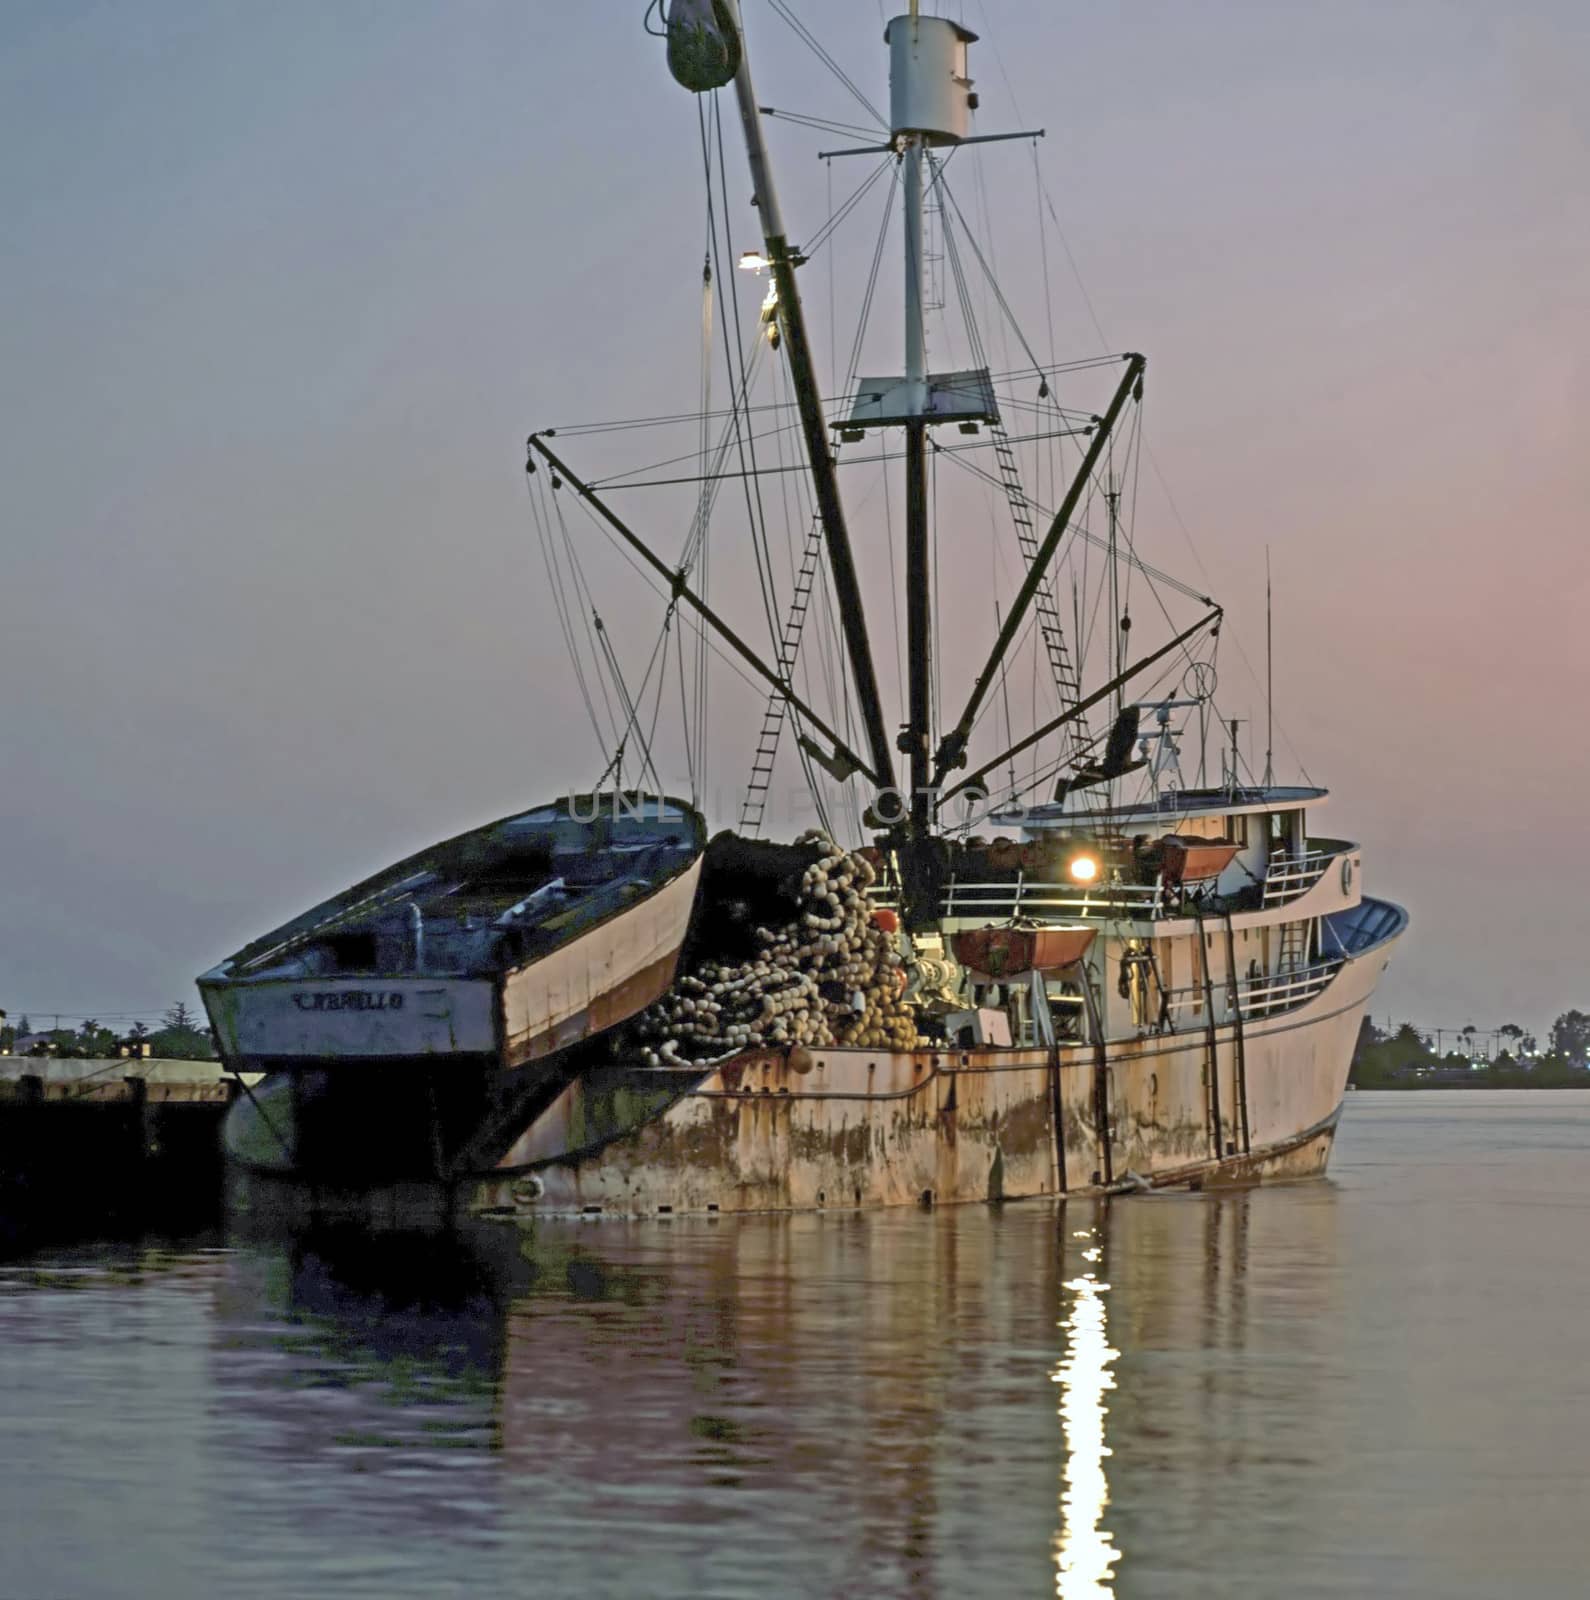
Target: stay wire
[(1158, 471), (650, 581), (805, 35), (555, 589), (821, 124), (836, 218), (1080, 530), (745, 445), (589, 615), (993, 281)]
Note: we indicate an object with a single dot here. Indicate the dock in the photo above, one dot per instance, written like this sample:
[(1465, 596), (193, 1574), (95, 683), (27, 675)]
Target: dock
[(113, 1143)]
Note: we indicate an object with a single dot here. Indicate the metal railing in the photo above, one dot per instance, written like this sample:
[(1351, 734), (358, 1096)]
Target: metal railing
[(1289, 876), (1037, 898), (1280, 991), (1260, 996)]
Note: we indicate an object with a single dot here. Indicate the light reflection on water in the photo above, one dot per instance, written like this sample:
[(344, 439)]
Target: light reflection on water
[(1085, 1555), (1368, 1386)]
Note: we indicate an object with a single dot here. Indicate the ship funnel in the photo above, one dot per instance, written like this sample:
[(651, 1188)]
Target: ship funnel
[(929, 92)]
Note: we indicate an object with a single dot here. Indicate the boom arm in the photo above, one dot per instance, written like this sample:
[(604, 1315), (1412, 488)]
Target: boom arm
[(682, 591), (952, 751)]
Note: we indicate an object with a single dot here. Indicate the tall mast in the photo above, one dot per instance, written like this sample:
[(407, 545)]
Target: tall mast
[(1112, 499), (929, 104), (1269, 677), (918, 737), (814, 427)]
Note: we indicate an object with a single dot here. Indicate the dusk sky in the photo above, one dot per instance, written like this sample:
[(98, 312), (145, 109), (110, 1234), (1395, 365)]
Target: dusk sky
[(286, 286)]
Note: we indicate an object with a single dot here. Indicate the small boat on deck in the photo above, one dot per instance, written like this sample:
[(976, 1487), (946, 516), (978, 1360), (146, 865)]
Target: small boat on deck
[(1002, 952), (397, 1017), (1192, 860)]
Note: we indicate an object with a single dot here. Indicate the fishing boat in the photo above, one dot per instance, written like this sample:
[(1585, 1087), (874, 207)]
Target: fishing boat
[(397, 1022), (1090, 948), (1139, 980)]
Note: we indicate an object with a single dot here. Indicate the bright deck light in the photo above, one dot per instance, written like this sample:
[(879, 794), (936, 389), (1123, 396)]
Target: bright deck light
[(753, 261), (1084, 869)]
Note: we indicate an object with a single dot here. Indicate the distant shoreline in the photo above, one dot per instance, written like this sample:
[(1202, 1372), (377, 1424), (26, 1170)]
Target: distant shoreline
[(1465, 1088)]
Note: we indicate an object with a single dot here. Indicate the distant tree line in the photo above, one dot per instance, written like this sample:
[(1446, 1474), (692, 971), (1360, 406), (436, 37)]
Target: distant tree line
[(1407, 1057), (181, 1036)]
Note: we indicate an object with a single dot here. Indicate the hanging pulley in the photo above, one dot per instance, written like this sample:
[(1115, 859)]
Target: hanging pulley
[(703, 42)]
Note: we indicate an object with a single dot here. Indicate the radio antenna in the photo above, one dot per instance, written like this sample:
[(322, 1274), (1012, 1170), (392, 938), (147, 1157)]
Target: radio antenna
[(1269, 679)]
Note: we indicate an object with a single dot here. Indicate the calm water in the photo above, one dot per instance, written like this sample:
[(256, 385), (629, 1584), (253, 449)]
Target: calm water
[(1377, 1385)]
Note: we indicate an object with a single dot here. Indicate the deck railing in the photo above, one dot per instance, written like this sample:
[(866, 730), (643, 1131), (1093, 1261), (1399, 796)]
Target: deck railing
[(1290, 876), (1260, 996), (1280, 991), (1038, 898)]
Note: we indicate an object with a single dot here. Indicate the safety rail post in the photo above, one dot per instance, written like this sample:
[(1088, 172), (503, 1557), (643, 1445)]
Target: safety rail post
[(1101, 1074), (1240, 1065), (1040, 1003), (1216, 1131)]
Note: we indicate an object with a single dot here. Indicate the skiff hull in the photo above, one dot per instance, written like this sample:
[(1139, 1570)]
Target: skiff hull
[(560, 928)]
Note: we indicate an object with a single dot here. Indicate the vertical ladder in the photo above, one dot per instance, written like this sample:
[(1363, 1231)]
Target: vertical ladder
[(932, 260), (754, 805), (1061, 667), (1294, 946)]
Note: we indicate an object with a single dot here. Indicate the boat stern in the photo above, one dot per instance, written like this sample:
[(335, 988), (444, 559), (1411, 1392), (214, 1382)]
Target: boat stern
[(266, 1023)]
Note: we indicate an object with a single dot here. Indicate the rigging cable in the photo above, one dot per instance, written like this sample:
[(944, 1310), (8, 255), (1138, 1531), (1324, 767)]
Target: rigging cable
[(734, 352), (684, 719), (852, 370), (692, 731), (821, 124), (837, 218), (650, 581), (805, 35), (993, 281), (1080, 530), (581, 604), (559, 606), (755, 509), (1153, 459)]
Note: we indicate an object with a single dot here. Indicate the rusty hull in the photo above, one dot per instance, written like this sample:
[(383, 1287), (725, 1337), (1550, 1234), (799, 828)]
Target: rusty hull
[(875, 1128)]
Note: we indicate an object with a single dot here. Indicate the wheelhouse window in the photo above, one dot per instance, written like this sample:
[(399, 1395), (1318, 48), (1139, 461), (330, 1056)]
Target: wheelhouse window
[(1286, 832)]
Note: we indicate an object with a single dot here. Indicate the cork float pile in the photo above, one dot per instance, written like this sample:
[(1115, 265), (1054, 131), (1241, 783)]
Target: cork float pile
[(831, 975)]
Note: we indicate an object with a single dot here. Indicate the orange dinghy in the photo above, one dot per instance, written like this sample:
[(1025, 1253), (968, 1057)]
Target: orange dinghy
[(1002, 952), (1193, 860)]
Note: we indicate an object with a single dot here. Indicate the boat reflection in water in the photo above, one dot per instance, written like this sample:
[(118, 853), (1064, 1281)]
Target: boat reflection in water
[(864, 1403), (1085, 1555), (1277, 1392)]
